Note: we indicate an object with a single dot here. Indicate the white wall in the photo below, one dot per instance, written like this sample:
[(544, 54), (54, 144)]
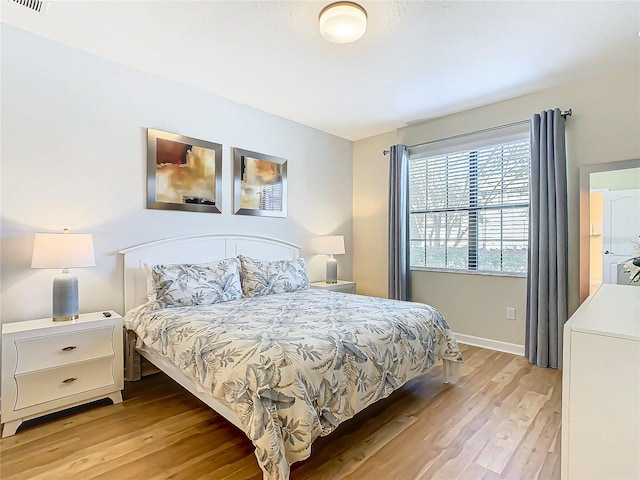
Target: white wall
[(626, 179), (74, 155), (605, 127)]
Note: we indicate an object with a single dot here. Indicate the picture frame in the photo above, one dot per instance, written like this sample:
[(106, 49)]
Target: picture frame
[(183, 173), (259, 184)]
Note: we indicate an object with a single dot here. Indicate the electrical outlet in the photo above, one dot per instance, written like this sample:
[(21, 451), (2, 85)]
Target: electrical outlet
[(511, 313)]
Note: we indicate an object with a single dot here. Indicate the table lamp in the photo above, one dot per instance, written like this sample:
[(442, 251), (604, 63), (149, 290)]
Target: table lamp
[(63, 250), (331, 245)]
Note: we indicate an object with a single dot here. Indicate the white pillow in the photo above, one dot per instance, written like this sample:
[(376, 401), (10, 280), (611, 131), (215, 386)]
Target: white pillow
[(261, 277), (151, 293), (187, 284)]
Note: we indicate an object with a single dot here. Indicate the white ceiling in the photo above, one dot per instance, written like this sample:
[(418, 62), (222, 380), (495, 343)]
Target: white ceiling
[(418, 59)]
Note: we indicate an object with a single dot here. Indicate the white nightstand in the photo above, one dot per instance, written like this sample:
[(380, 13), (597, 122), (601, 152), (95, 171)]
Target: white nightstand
[(49, 366), (342, 286)]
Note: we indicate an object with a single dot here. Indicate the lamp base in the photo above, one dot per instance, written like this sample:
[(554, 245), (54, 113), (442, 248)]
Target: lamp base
[(65, 298), (332, 270), (65, 319)]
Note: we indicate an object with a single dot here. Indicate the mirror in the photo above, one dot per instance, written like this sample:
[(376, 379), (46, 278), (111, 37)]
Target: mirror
[(609, 222)]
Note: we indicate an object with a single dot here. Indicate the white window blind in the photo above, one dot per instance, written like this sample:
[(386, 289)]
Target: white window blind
[(271, 197), (469, 209)]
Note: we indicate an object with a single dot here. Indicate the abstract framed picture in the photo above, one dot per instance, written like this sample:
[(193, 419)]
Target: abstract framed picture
[(183, 173), (259, 184)]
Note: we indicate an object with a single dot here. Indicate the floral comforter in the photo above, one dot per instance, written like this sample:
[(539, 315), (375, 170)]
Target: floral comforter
[(294, 365)]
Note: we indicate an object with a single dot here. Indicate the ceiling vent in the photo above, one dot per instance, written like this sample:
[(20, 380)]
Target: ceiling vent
[(38, 5)]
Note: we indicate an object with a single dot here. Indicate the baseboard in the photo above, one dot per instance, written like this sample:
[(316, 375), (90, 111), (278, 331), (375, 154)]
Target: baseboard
[(490, 344)]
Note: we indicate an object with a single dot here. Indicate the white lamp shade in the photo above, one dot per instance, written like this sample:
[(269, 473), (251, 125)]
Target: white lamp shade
[(330, 245), (63, 250), (343, 22)]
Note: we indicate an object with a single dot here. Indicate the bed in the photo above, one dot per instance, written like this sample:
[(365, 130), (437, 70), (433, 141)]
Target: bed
[(282, 362)]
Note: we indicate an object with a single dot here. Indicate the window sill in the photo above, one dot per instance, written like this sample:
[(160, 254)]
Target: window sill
[(468, 272)]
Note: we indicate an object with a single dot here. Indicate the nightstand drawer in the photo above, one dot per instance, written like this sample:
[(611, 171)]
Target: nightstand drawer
[(343, 286), (349, 288), (63, 349), (46, 385)]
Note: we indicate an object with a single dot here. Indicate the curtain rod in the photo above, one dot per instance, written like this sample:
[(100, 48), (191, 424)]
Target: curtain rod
[(565, 114)]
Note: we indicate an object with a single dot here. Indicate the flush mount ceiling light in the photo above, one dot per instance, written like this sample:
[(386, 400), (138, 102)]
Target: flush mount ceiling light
[(343, 22)]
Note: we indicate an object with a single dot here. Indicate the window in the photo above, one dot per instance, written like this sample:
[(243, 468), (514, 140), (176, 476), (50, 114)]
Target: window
[(469, 207)]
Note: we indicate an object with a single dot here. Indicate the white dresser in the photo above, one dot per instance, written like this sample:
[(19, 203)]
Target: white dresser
[(49, 366), (601, 387)]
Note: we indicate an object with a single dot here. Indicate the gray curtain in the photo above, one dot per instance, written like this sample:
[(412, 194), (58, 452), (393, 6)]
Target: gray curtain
[(548, 242), (399, 287)]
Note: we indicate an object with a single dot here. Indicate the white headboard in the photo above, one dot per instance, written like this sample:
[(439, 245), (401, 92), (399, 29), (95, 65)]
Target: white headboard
[(194, 249)]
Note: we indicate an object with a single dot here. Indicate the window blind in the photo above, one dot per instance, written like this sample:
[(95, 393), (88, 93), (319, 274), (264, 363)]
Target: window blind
[(469, 208), (271, 197)]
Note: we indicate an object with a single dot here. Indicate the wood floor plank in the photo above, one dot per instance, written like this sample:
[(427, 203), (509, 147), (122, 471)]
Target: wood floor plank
[(500, 420), (531, 454), (473, 471), (510, 432), (162, 436), (351, 458), (435, 444)]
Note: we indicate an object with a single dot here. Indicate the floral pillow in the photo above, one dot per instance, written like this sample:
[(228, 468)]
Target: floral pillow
[(261, 277), (186, 284)]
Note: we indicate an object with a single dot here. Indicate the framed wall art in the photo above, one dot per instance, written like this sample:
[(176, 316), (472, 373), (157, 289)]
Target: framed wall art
[(183, 173), (259, 184)]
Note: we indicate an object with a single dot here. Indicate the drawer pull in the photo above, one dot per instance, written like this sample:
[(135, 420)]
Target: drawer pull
[(69, 348), (70, 380)]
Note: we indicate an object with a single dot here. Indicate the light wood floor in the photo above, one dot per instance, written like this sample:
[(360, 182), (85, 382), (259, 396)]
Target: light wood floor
[(500, 420)]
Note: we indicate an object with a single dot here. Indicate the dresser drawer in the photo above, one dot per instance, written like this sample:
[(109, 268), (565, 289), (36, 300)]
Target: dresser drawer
[(63, 349), (46, 385)]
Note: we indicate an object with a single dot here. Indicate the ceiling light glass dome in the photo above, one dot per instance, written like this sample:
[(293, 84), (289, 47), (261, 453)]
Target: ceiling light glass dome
[(343, 22)]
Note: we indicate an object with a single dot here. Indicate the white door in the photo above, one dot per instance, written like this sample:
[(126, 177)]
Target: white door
[(621, 230)]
